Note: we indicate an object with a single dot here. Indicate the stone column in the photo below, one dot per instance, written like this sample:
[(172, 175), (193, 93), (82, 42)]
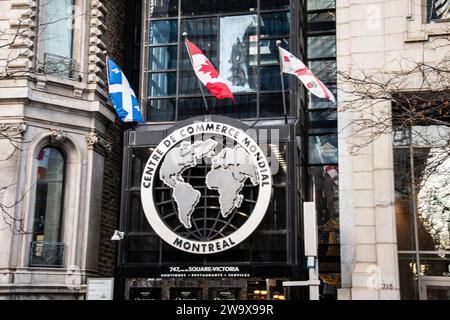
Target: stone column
[(369, 258)]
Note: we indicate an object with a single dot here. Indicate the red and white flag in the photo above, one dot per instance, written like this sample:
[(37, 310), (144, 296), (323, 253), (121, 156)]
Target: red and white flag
[(333, 172), (293, 65), (207, 74)]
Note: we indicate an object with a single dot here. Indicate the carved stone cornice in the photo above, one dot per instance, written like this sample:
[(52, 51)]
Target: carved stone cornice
[(10, 130), (98, 144)]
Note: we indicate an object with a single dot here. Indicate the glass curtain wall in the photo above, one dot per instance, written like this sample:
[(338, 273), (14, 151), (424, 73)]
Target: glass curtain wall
[(322, 141), (239, 38)]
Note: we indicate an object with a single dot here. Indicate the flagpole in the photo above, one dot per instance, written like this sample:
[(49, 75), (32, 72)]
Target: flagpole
[(198, 80), (282, 84), (107, 67)]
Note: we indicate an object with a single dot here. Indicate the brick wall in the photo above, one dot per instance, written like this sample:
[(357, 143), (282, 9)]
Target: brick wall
[(110, 201), (114, 39)]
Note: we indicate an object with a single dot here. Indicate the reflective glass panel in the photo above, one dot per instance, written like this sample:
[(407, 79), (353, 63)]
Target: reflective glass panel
[(162, 84), (276, 153), (161, 110), (137, 221), (271, 105), (321, 21), (321, 17), (240, 253), (319, 116), (243, 106), (163, 8), (139, 159), (49, 195), (432, 181), (142, 249), (163, 31), (270, 79), (269, 247), (275, 218), (171, 254), (409, 289), (273, 4), (162, 58), (436, 136), (200, 7), (237, 52), (275, 24), (326, 181), (268, 51), (401, 136), (403, 205), (323, 149), (324, 70), (322, 47), (320, 4), (434, 265)]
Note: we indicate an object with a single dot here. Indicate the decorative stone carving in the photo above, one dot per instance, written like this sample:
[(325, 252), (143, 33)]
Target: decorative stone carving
[(22, 24), (97, 143), (10, 130), (96, 44), (58, 136)]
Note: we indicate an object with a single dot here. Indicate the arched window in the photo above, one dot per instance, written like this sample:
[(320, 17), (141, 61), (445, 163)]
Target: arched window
[(46, 247)]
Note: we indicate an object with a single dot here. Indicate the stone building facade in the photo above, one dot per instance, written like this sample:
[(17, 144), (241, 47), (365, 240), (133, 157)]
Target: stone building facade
[(55, 121), (382, 39)]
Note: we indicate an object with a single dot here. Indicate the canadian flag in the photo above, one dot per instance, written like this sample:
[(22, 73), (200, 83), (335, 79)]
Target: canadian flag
[(293, 65), (207, 74)]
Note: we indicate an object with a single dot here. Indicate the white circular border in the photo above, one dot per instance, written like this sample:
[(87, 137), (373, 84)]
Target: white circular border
[(238, 236)]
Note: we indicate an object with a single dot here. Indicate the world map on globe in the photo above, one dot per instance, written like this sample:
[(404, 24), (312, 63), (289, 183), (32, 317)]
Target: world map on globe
[(230, 169)]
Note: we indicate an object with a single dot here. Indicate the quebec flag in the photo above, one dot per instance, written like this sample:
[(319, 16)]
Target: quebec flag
[(122, 96)]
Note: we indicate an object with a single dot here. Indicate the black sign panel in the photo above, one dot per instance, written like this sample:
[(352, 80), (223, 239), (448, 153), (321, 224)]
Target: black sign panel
[(205, 272)]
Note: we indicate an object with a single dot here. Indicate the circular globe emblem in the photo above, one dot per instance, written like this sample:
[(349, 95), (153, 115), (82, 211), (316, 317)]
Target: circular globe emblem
[(206, 187)]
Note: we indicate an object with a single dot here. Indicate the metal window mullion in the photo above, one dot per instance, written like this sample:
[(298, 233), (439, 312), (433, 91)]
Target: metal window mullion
[(294, 30), (161, 71), (145, 24), (413, 206), (258, 73), (167, 44), (179, 52)]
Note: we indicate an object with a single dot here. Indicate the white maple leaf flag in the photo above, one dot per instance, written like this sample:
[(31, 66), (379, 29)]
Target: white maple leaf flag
[(207, 74), (293, 65)]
